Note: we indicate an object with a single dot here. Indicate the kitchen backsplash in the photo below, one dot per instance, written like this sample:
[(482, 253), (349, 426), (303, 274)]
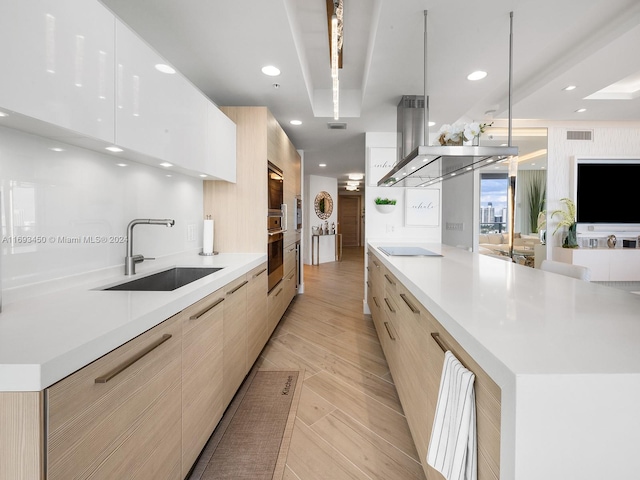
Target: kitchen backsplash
[(65, 210)]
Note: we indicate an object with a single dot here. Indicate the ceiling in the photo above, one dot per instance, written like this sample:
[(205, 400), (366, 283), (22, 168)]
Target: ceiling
[(221, 47)]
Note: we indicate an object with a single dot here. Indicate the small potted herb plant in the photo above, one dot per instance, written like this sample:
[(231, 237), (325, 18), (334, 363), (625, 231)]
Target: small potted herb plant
[(385, 205)]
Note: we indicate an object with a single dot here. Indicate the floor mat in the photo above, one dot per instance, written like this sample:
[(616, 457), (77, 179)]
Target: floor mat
[(252, 439)]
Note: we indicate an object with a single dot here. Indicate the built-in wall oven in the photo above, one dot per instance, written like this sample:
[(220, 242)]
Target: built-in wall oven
[(276, 225)]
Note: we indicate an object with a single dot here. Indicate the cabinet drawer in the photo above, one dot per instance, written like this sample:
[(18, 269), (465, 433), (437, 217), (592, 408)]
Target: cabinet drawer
[(235, 336), (257, 314), (275, 305), (120, 415), (488, 396), (289, 263), (202, 371)]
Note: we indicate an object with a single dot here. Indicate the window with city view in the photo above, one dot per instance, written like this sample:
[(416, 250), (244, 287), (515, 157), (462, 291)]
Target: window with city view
[(493, 202)]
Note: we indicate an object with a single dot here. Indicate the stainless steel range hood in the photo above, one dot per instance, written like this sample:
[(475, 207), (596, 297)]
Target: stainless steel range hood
[(420, 164)]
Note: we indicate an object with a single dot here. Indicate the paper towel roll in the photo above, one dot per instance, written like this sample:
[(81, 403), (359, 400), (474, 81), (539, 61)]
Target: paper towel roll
[(207, 237)]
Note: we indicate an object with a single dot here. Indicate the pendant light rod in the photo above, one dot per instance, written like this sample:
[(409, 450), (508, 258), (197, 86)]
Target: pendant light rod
[(426, 94), (510, 72)]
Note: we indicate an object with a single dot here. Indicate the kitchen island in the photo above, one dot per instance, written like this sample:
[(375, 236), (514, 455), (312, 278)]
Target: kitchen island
[(563, 352)]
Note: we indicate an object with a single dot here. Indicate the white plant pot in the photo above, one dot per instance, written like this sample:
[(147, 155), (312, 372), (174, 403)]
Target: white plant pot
[(387, 208)]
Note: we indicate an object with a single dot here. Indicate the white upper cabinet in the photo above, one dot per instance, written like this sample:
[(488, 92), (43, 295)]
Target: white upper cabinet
[(58, 64), (221, 145), (157, 114), (74, 72)]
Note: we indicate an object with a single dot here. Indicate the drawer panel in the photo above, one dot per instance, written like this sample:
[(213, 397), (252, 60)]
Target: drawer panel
[(88, 421)]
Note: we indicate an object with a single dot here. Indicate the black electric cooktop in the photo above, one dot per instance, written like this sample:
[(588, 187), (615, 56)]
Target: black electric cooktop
[(408, 252)]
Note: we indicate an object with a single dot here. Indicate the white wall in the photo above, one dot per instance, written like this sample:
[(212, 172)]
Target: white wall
[(314, 184), (390, 226), (609, 141), (70, 209)]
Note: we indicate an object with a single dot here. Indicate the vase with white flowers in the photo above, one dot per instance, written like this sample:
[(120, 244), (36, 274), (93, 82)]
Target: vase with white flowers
[(458, 133), (567, 219)]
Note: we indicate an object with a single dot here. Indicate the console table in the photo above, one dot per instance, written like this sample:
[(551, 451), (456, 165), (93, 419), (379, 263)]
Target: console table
[(315, 247)]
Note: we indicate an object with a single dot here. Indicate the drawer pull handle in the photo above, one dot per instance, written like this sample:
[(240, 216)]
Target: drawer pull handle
[(237, 288), (409, 304), (443, 346), (375, 300), (124, 365), (389, 280), (291, 277), (386, 325), (368, 284), (376, 264), (260, 273), (389, 305), (206, 310), (279, 292)]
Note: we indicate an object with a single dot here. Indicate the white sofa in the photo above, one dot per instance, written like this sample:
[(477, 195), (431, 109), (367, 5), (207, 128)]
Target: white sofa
[(492, 243)]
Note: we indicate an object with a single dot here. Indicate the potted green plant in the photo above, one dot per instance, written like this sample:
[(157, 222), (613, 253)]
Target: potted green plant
[(567, 219), (385, 205)]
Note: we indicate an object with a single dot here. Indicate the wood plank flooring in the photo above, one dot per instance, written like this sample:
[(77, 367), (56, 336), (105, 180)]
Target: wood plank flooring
[(349, 423)]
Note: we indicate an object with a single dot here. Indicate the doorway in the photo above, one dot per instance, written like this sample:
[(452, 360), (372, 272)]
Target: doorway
[(349, 220)]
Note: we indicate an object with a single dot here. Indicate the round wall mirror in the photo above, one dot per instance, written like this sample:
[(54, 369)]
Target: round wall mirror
[(323, 205)]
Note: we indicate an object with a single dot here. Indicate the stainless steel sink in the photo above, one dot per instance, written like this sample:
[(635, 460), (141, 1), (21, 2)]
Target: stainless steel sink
[(167, 280)]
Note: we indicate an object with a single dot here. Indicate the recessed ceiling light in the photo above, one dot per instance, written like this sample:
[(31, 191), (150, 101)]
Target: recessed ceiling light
[(322, 164), (568, 88), (453, 174), (353, 183), (56, 149), (580, 110), (168, 175), (4, 114), (295, 122), (161, 67), (114, 149), (469, 168), (477, 75), (166, 164), (356, 176), (431, 124), (203, 175), (121, 164), (271, 71)]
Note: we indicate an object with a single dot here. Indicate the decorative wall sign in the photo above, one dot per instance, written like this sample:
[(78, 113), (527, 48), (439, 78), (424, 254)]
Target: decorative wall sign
[(323, 205), (381, 160), (422, 207)]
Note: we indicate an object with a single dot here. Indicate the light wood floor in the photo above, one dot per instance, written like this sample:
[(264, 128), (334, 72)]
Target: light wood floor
[(349, 423)]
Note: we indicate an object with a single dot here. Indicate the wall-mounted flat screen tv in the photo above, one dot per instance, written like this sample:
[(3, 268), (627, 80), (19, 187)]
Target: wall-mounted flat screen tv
[(608, 192)]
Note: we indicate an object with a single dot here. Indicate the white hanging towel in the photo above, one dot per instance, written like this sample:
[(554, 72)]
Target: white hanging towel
[(452, 447)]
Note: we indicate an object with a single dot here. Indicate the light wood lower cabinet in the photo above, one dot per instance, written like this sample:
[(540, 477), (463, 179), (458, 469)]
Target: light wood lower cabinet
[(415, 359), (21, 435), (146, 409), (202, 374), (257, 314), (235, 337), (120, 416), (276, 305)]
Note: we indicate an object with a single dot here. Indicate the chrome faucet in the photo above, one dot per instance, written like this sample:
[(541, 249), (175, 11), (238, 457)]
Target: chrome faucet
[(130, 260)]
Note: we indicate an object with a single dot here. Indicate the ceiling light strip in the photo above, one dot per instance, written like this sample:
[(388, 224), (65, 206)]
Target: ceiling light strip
[(334, 66)]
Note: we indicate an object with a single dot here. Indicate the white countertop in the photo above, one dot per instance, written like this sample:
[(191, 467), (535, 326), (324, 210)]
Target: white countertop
[(44, 338), (516, 320), (565, 353)]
